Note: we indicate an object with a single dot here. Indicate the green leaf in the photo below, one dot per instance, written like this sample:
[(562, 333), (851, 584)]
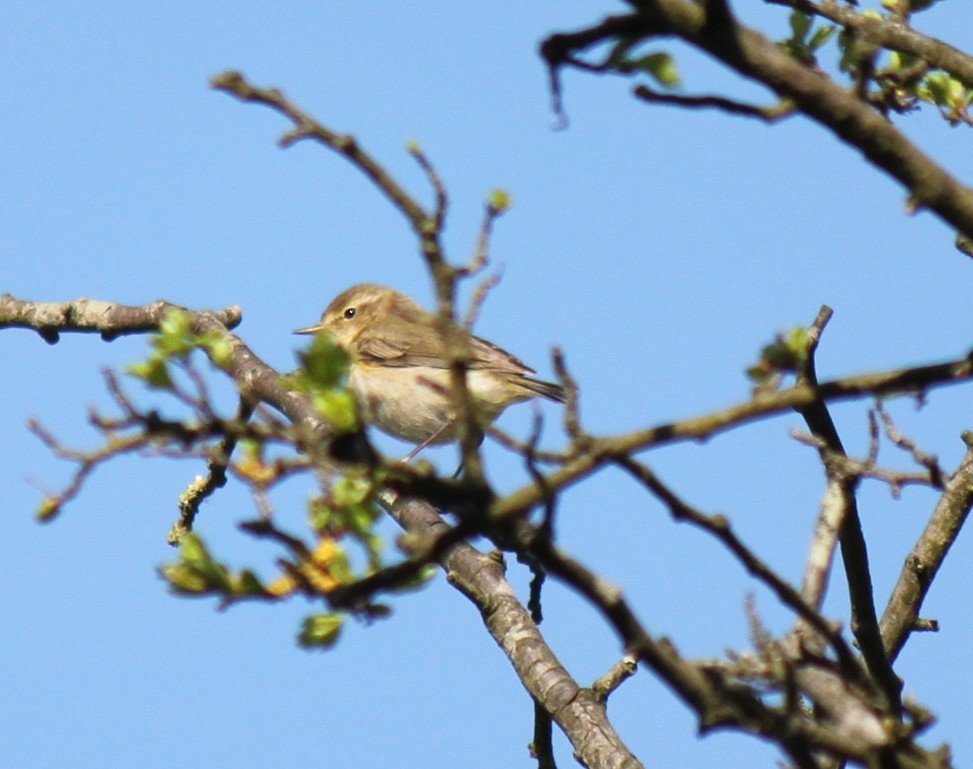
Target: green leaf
[(821, 36), (250, 448), (352, 489), (48, 509), (500, 201), (339, 408), (660, 66), (938, 87), (324, 362), (361, 518), (899, 60), (154, 372), (177, 324), (196, 571), (320, 513), (798, 341), (220, 350), (193, 550), (957, 94), (184, 580), (321, 631), (786, 354), (176, 337), (800, 26), (849, 51)]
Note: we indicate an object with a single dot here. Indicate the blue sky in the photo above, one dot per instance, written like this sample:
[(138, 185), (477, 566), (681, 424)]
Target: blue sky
[(660, 249)]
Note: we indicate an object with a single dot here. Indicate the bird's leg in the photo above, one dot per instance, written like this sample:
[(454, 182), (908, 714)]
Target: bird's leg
[(431, 439), (480, 435)]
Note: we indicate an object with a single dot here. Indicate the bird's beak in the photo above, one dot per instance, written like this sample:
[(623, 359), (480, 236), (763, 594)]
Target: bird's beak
[(309, 329)]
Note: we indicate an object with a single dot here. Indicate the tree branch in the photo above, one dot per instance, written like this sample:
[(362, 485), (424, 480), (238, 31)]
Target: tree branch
[(601, 451), (766, 114), (306, 127), (578, 712), (893, 36), (901, 616), (844, 515), (755, 57), (91, 316)]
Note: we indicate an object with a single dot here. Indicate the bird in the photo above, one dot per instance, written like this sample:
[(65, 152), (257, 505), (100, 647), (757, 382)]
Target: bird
[(399, 371)]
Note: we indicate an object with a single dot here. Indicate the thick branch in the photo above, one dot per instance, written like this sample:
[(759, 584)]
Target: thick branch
[(719, 700), (901, 615), (893, 36), (579, 712), (758, 58), (854, 550), (109, 319)]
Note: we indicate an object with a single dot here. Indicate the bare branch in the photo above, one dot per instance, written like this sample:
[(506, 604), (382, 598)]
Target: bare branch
[(601, 451), (435, 181), (575, 710), (306, 127), (203, 487), (930, 462), (713, 693), (821, 553), (869, 468), (620, 672), (479, 296), (756, 57), (720, 528), (901, 616), (770, 114), (580, 439), (842, 514), (481, 254), (109, 319)]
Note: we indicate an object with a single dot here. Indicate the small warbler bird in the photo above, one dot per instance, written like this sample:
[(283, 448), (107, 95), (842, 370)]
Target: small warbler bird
[(399, 373)]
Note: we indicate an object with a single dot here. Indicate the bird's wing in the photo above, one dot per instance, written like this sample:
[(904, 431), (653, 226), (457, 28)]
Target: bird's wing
[(422, 346), (414, 346), (487, 355)]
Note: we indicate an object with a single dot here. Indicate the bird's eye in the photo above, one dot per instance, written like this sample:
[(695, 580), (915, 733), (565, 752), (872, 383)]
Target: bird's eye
[(350, 313)]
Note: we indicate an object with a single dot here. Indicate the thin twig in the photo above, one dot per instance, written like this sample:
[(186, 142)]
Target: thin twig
[(435, 181), (615, 676), (842, 516), (479, 296), (203, 487), (720, 528), (769, 115), (601, 451), (306, 127), (868, 469), (929, 461), (580, 439)]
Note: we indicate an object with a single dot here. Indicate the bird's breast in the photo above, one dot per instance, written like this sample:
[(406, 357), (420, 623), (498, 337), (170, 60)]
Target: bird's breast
[(413, 402)]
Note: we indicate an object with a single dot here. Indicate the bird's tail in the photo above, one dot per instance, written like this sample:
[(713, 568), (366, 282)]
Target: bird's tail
[(547, 390)]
